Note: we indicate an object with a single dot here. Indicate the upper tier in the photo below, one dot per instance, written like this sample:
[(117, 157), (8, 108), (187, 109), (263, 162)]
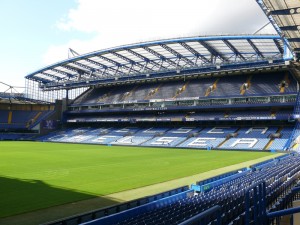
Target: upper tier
[(214, 87)]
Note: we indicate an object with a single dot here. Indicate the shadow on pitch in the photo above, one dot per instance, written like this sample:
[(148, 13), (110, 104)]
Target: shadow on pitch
[(23, 196)]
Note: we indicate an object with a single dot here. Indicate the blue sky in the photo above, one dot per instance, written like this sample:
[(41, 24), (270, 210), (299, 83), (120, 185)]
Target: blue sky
[(27, 30), (35, 33)]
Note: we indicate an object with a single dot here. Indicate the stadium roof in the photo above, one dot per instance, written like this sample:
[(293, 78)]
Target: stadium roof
[(285, 17), (160, 58), (18, 98)]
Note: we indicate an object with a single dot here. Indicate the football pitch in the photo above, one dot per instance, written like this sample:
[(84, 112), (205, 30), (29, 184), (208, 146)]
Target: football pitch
[(36, 175)]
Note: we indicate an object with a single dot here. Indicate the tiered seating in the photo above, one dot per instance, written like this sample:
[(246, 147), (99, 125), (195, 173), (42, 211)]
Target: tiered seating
[(111, 135), (229, 86), (131, 140), (142, 91), (251, 138), (225, 86), (292, 85), (21, 119), (182, 131), (117, 94), (124, 131), (102, 139), (172, 137), (245, 143), (228, 192), (210, 137), (284, 113), (69, 135), (90, 96), (89, 135), (140, 137), (256, 132), (279, 143), (217, 131), (197, 88), (168, 90), (268, 84), (286, 132), (151, 131), (164, 141), (3, 116), (202, 142)]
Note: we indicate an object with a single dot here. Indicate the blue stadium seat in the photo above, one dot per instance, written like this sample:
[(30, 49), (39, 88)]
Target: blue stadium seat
[(230, 195)]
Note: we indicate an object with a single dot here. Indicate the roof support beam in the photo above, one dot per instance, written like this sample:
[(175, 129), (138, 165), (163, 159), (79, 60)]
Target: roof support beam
[(293, 39), (119, 65), (297, 49), (102, 66), (79, 72), (160, 56), (40, 80), (89, 69), (213, 51), (290, 11), (194, 52), (83, 66), (63, 73), (133, 63), (255, 48), (144, 58), (178, 55), (281, 50), (235, 51), (289, 28), (52, 76)]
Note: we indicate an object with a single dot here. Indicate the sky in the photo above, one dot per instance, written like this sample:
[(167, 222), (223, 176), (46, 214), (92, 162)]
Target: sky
[(36, 33)]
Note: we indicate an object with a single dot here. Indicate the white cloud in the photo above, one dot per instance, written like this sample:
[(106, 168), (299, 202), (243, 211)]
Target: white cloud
[(117, 22)]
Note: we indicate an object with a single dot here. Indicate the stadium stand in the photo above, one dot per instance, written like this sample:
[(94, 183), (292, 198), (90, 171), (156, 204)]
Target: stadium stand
[(201, 88), (229, 86), (22, 119), (227, 190), (223, 92), (222, 137)]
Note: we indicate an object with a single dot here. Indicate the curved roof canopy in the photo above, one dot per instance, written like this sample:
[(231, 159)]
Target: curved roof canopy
[(285, 17), (158, 58)]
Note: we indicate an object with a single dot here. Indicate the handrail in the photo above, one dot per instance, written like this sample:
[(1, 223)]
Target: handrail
[(215, 209), (93, 214), (258, 202), (283, 212), (296, 189)]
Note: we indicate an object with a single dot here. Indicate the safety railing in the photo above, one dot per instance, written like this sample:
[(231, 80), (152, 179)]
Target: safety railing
[(205, 217)]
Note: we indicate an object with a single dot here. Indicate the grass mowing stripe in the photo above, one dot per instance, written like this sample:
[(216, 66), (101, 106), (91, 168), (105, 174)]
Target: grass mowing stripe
[(47, 174)]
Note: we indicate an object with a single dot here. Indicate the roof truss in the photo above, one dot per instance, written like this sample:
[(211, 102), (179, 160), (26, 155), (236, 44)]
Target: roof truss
[(159, 57)]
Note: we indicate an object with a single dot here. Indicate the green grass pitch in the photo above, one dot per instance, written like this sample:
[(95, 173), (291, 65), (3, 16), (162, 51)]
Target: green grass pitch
[(39, 175)]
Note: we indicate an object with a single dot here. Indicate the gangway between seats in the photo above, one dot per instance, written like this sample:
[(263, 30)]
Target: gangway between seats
[(284, 83), (245, 86), (180, 90), (9, 119), (211, 88)]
